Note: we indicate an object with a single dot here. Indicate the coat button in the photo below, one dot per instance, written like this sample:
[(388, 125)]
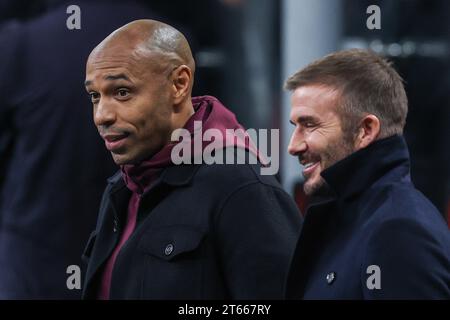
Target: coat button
[(331, 277), (169, 249)]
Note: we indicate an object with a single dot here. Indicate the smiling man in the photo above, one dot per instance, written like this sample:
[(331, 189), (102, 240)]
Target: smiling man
[(312, 110), (170, 231), (368, 233)]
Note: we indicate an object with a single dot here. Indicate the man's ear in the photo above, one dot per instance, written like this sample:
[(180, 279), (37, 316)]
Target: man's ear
[(181, 82), (368, 131)]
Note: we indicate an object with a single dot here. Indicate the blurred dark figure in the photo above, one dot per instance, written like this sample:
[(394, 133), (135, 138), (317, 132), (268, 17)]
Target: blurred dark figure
[(53, 164), (21, 9)]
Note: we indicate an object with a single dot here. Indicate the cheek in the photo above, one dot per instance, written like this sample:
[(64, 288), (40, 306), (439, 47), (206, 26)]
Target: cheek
[(152, 113), (147, 113), (316, 141), (156, 125)]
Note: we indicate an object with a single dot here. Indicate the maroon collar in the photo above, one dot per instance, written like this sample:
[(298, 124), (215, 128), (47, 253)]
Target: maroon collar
[(210, 111)]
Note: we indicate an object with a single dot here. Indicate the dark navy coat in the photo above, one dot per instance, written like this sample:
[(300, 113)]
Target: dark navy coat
[(376, 237), (203, 232)]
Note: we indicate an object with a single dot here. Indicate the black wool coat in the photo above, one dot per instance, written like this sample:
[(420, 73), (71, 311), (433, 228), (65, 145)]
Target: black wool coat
[(203, 232)]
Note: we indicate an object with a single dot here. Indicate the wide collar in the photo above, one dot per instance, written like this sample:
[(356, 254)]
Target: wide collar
[(384, 160), (177, 175)]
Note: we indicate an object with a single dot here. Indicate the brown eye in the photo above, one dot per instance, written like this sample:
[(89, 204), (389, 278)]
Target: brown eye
[(94, 96), (123, 93)]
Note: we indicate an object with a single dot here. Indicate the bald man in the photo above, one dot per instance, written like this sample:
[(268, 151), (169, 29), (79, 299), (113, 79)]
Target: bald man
[(166, 231)]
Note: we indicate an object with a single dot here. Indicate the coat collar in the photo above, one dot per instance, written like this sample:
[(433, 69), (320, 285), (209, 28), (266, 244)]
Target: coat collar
[(384, 159), (177, 175)]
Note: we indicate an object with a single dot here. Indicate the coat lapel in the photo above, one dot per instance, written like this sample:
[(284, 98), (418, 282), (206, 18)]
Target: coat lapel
[(111, 224)]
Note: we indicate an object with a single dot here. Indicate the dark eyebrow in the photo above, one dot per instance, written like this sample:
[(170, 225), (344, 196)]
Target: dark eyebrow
[(111, 77), (303, 119)]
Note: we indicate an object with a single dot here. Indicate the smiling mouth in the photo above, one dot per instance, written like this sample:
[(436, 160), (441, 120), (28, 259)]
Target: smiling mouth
[(309, 168)]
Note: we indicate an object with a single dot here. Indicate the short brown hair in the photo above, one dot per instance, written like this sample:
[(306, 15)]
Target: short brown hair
[(367, 84)]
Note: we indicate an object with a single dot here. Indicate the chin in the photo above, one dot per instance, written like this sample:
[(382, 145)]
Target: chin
[(312, 188), (309, 192), (121, 160)]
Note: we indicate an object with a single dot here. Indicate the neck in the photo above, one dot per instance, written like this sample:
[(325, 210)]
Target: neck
[(185, 111)]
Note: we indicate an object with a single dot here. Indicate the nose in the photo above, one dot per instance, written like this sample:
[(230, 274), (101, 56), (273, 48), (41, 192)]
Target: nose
[(104, 114), (297, 144)]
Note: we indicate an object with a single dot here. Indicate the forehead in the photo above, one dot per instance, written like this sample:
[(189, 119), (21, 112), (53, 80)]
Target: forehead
[(115, 59), (314, 100)]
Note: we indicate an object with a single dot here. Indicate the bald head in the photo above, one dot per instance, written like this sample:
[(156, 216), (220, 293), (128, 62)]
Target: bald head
[(162, 44), (140, 82)]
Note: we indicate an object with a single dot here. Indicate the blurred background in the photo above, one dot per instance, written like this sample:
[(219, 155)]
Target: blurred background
[(53, 165)]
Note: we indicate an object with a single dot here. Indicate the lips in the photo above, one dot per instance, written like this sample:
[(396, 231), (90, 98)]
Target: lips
[(114, 142), (309, 168)]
